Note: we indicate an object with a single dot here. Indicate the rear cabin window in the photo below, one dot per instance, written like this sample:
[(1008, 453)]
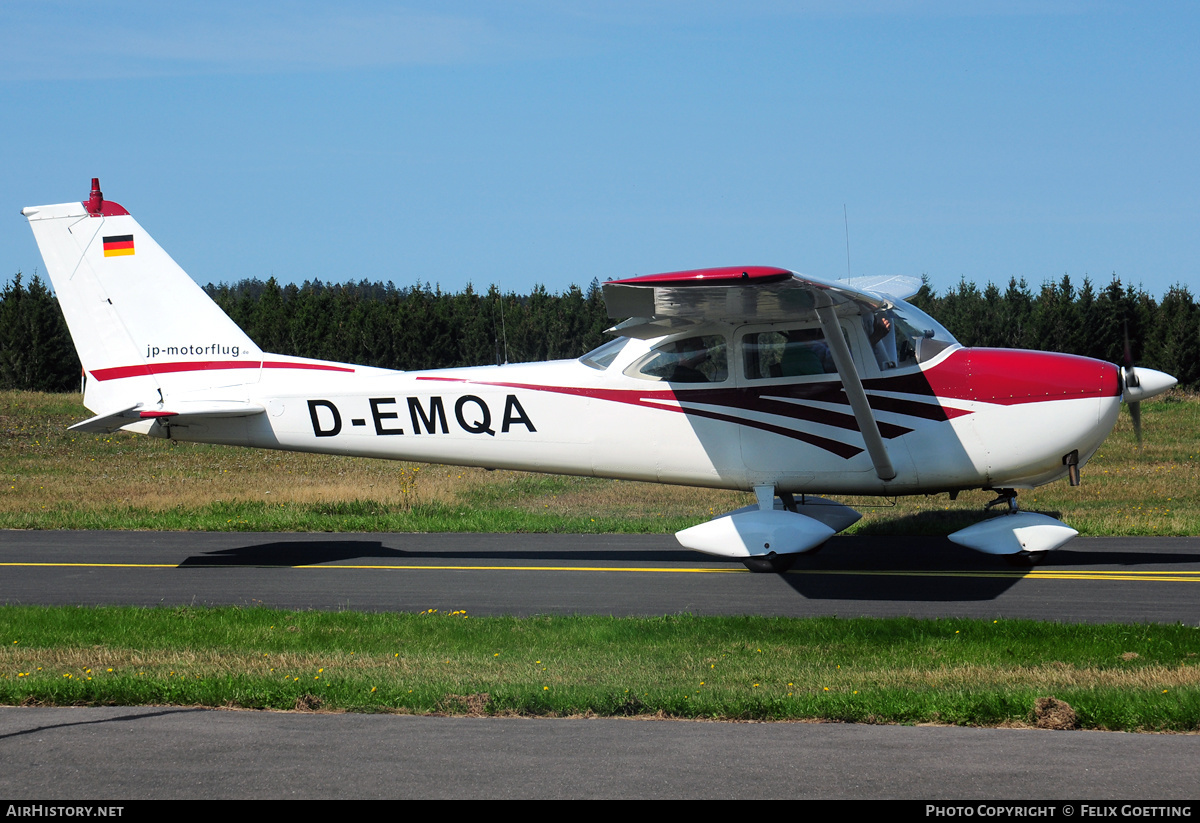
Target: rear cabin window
[(787, 353)]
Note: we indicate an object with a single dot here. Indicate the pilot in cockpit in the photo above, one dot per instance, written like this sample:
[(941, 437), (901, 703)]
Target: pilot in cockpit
[(880, 330)]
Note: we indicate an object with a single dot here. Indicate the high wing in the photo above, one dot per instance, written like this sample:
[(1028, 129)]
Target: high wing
[(748, 293), (662, 303)]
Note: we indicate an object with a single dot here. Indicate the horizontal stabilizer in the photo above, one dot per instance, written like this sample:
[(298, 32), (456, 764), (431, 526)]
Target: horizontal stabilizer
[(108, 423), (197, 409), (178, 413)]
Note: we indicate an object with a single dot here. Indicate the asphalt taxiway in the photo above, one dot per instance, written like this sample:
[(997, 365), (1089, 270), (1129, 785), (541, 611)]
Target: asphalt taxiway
[(177, 753), (171, 752), (1129, 580)]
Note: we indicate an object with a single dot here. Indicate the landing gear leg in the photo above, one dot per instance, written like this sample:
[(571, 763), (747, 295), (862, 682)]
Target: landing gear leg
[(1008, 496), (772, 562), (1024, 559)]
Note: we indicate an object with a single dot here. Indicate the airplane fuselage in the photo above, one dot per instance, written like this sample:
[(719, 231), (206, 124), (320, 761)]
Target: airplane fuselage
[(968, 418)]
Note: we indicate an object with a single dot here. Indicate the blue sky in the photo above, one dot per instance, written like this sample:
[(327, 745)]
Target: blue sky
[(556, 142)]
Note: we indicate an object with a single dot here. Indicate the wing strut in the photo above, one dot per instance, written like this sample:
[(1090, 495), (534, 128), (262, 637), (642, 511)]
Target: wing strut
[(854, 392)]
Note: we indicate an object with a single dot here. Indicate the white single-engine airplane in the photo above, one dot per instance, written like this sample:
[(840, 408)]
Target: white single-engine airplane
[(750, 378)]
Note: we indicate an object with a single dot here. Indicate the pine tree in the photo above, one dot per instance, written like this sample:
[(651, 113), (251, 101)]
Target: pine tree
[(35, 349)]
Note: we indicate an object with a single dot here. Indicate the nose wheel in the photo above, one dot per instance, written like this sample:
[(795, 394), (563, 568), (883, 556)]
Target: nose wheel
[(1024, 538)]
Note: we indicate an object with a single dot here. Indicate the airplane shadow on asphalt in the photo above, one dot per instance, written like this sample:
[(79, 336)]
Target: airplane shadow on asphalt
[(921, 569), (311, 553), (934, 569)]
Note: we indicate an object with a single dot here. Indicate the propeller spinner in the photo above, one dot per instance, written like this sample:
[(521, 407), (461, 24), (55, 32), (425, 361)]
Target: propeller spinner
[(1138, 385)]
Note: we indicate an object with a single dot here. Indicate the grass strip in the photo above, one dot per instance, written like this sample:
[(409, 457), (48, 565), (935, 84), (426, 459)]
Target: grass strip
[(901, 670)]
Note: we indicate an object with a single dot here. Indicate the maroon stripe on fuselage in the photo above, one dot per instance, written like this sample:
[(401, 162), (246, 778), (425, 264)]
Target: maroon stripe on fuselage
[(117, 372), (836, 446), (660, 399), (772, 401), (665, 400), (732, 401), (915, 408), (284, 364), (1000, 376)]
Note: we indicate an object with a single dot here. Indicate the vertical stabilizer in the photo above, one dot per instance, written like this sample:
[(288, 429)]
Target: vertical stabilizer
[(141, 325)]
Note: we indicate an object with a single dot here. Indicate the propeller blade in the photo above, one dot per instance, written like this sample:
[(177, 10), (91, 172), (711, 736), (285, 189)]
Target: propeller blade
[(1132, 390), (1127, 369)]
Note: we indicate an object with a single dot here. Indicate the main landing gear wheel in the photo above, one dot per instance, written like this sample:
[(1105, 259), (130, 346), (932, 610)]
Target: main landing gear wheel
[(1025, 560), (770, 563)]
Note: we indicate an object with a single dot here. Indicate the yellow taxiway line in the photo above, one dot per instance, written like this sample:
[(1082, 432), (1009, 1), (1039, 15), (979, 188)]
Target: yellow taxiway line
[(1035, 574)]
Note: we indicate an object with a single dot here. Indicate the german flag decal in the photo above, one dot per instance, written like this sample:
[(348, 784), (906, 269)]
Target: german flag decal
[(119, 245)]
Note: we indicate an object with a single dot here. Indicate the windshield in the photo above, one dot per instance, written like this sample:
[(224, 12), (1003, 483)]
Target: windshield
[(921, 323), (903, 335)]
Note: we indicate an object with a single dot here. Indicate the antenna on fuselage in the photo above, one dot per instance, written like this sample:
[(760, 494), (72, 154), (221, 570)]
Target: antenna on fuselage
[(503, 332), (846, 218)]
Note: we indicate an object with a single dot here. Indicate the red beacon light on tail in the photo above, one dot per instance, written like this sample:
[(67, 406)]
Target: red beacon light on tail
[(97, 207)]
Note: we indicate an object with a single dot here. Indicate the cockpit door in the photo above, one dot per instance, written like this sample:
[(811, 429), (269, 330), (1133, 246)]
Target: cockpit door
[(799, 430)]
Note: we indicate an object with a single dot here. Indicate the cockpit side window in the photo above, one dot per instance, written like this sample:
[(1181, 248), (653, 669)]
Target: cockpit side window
[(700, 359)]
